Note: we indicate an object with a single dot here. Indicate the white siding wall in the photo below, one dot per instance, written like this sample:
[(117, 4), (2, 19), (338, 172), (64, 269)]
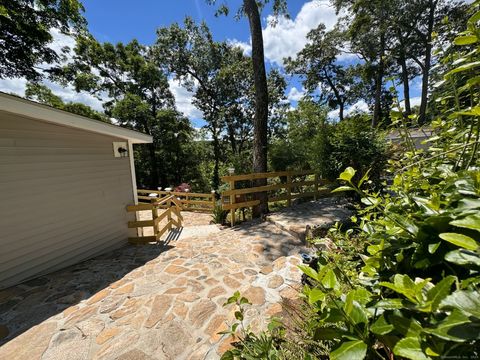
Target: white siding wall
[(62, 197)]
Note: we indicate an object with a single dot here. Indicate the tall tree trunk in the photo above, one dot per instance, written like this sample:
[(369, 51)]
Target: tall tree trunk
[(377, 110), (427, 63), (341, 110), (261, 102), (406, 85)]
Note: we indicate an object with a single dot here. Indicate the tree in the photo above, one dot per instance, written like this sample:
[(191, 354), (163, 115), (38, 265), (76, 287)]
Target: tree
[(136, 86), (25, 27), (317, 64), (44, 95), (250, 8)]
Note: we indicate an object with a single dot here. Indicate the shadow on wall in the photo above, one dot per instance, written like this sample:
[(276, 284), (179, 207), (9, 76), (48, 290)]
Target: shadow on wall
[(30, 303)]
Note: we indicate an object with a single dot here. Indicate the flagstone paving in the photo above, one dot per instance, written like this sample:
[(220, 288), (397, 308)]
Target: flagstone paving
[(153, 301)]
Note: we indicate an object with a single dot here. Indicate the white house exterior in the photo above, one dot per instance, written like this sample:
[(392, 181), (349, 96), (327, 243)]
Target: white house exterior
[(63, 188)]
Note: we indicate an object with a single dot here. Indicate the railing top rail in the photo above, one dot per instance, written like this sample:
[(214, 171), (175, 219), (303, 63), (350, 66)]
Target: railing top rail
[(176, 193), (162, 200), (266, 175)]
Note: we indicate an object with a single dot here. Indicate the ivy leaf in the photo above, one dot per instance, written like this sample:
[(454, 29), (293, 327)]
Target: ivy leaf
[(463, 257), (461, 240), (348, 174), (469, 222), (410, 348), (381, 326), (350, 350)]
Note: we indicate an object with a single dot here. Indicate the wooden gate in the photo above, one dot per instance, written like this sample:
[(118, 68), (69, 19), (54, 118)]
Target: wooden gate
[(168, 205)]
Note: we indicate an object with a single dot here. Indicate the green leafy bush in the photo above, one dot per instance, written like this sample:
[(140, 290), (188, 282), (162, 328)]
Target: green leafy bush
[(219, 216), (409, 283)]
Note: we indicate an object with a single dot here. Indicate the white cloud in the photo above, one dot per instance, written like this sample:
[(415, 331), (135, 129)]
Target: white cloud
[(246, 47), (183, 100), (295, 95), (359, 106), (68, 94), (288, 36)]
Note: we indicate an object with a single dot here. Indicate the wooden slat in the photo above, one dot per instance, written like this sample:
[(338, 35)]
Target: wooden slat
[(140, 223), (176, 193), (163, 200), (303, 183), (162, 216), (149, 198), (139, 207), (162, 231), (196, 202), (254, 189), (176, 201), (265, 175), (240, 205), (175, 222)]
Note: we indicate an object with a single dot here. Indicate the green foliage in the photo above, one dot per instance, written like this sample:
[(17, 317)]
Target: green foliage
[(219, 216), (25, 27), (405, 282), (249, 345), (312, 142), (44, 95)]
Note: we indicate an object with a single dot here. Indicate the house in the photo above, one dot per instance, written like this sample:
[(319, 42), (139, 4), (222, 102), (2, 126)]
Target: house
[(65, 182)]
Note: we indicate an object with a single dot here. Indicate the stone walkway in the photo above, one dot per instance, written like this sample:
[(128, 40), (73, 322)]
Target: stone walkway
[(152, 301)]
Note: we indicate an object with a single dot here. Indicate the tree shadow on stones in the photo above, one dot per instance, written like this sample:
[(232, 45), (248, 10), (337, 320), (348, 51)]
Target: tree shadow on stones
[(34, 301)]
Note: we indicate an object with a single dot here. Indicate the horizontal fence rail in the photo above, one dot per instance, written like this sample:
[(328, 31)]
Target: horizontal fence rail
[(188, 201), (284, 186), (171, 205)]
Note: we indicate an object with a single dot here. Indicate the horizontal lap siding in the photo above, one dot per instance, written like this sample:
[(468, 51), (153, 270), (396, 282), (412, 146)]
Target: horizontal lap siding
[(62, 197)]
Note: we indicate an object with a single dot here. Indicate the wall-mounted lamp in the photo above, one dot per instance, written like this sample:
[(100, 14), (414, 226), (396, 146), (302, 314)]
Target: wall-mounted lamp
[(120, 149)]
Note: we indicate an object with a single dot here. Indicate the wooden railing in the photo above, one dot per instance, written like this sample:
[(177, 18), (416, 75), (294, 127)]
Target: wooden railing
[(289, 185), (188, 201), (171, 205)]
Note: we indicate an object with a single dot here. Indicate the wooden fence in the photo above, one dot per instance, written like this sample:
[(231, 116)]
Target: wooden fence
[(172, 206), (289, 185), (188, 201)]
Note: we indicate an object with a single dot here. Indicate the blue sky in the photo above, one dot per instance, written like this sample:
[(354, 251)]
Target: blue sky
[(123, 20)]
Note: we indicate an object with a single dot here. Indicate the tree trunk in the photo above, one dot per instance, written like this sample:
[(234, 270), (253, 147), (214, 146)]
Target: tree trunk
[(261, 102), (427, 64), (377, 110), (406, 85)]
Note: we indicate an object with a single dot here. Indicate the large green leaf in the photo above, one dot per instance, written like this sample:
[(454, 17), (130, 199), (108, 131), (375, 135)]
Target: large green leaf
[(381, 326), (465, 40), (410, 348), (463, 257), (461, 240), (350, 350), (450, 329), (310, 272), (354, 310), (436, 294), (402, 284), (466, 301), (469, 222), (329, 280)]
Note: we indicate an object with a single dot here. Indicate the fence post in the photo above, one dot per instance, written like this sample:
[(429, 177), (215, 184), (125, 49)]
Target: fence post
[(187, 204), (289, 190), (154, 217), (169, 216), (232, 201)]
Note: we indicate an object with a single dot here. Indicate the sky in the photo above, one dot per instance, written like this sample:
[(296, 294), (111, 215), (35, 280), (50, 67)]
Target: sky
[(123, 20)]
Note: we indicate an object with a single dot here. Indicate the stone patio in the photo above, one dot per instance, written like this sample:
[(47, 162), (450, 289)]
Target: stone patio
[(152, 301)]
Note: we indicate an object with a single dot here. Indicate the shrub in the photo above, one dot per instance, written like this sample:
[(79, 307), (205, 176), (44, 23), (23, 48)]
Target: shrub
[(219, 216)]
